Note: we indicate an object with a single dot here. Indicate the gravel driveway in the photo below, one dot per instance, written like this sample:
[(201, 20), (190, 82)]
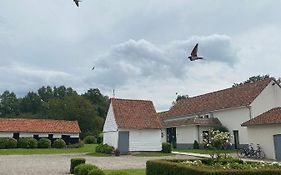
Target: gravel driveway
[(59, 164)]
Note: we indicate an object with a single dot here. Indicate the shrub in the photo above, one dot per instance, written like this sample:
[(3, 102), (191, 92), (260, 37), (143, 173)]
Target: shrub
[(3, 143), (118, 173), (84, 169), (195, 145), (90, 140), (100, 139), (117, 152), (76, 145), (104, 148), (75, 162), (166, 147), (59, 143), (27, 142), (44, 143), (96, 172), (8, 143)]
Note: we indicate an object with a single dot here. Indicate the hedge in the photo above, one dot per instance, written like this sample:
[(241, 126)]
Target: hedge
[(166, 147), (90, 140), (84, 169), (75, 162), (59, 143), (168, 167), (96, 172), (27, 142), (44, 143), (8, 143), (104, 148)]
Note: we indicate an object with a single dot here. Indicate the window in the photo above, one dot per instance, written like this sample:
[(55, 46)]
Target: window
[(205, 135)]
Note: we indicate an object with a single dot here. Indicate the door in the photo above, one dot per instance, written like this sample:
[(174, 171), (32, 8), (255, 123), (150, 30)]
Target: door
[(123, 142), (16, 136), (236, 139), (66, 138), (277, 146), (172, 136)]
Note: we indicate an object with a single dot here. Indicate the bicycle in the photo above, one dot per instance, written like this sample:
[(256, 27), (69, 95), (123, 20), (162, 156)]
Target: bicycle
[(250, 152)]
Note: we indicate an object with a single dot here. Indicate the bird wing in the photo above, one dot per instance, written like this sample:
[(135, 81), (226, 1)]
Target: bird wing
[(194, 51), (76, 2)]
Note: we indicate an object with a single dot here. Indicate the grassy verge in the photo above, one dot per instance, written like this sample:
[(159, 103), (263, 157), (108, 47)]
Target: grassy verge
[(130, 171), (204, 151), (87, 148), (150, 154)]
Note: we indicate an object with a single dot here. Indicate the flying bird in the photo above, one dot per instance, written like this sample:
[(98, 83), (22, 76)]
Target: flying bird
[(77, 2), (93, 68), (193, 55)]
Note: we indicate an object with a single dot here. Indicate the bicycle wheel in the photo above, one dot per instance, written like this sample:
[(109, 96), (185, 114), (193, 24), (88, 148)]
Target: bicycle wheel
[(241, 153)]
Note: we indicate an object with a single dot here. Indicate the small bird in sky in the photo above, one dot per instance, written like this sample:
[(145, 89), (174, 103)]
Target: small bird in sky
[(93, 68), (193, 56), (77, 2)]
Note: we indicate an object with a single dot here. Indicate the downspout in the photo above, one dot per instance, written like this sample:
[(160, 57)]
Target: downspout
[(198, 135)]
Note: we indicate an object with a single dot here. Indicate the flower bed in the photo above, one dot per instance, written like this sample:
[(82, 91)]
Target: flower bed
[(211, 167)]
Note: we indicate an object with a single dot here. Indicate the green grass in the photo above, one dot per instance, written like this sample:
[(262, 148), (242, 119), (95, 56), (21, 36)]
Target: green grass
[(130, 171), (150, 154), (87, 148), (204, 151)]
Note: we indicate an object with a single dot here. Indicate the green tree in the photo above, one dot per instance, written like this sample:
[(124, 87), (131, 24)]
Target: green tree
[(9, 104), (45, 93), (62, 91), (255, 79), (100, 102), (31, 103), (179, 97)]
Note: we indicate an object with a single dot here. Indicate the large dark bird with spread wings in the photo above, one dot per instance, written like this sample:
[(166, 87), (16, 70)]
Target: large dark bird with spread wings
[(77, 2), (193, 56)]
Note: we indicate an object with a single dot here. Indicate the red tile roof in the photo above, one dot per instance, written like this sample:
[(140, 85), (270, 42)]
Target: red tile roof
[(135, 114), (238, 96), (272, 116), (193, 121), (38, 125)]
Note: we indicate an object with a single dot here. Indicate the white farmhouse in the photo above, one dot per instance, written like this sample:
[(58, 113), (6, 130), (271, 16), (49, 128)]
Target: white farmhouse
[(188, 119), (40, 128), (132, 125)]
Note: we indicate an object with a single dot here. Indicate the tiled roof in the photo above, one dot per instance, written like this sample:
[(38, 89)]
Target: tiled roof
[(238, 96), (193, 121), (272, 116), (38, 125), (135, 114)]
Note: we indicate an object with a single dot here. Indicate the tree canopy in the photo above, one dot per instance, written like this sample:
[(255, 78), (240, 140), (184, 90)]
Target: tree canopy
[(256, 78)]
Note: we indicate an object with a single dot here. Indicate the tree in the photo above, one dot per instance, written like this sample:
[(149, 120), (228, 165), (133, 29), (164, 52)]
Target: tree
[(255, 79), (31, 103), (46, 93), (62, 91), (179, 97), (100, 101), (9, 104)]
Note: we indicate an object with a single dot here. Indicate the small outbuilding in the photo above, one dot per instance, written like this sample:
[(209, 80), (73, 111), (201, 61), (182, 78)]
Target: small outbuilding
[(265, 130), (132, 125), (40, 128)]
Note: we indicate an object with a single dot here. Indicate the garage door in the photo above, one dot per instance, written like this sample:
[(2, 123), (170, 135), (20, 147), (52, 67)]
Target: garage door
[(277, 146), (123, 142)]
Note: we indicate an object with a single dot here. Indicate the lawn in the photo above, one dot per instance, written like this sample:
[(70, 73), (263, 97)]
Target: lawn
[(130, 171), (87, 148), (150, 154), (204, 151)]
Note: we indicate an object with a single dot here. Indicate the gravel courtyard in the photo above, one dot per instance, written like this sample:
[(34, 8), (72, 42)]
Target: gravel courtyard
[(59, 164)]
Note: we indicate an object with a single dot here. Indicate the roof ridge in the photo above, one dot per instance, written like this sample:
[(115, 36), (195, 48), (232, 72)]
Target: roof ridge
[(44, 119), (124, 99)]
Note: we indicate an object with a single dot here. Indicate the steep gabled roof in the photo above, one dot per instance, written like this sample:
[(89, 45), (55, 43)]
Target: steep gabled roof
[(135, 114), (272, 116), (38, 125), (239, 96)]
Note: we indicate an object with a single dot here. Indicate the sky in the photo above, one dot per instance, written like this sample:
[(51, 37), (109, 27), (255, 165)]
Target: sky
[(139, 48)]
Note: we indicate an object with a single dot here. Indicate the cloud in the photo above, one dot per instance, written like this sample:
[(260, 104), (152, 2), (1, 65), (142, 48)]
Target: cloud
[(141, 59)]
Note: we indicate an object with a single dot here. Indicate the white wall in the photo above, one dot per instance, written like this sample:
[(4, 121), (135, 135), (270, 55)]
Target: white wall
[(269, 98), (6, 134), (263, 135), (110, 122), (186, 134), (232, 119), (144, 139), (111, 138)]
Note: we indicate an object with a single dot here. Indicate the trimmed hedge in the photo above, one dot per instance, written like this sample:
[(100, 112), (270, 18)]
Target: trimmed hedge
[(75, 162), (84, 169), (27, 142), (166, 147), (168, 167), (44, 143), (59, 143), (96, 172), (104, 148), (76, 145), (8, 143), (90, 140)]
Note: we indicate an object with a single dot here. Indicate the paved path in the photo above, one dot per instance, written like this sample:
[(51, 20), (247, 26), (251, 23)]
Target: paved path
[(59, 164)]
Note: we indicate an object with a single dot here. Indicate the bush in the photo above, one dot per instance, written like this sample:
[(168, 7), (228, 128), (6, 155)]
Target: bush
[(117, 152), (104, 148), (8, 143), (59, 143), (118, 173), (195, 145), (96, 172), (100, 139), (84, 169), (166, 147), (76, 145), (90, 140), (75, 162), (170, 167), (44, 143), (27, 142)]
